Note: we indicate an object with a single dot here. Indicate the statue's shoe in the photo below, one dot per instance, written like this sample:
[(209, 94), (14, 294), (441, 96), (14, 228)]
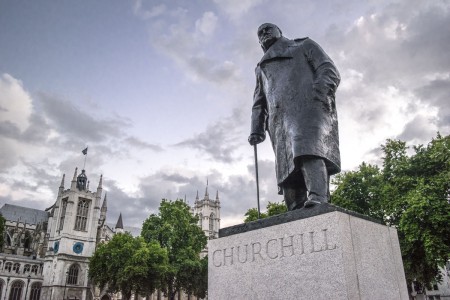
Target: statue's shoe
[(314, 200)]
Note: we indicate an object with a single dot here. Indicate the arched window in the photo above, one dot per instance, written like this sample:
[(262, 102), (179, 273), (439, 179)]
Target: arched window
[(16, 290), (211, 223), (26, 268), (34, 269), (82, 214), (72, 277), (35, 293), (63, 213), (16, 268), (8, 266), (105, 297)]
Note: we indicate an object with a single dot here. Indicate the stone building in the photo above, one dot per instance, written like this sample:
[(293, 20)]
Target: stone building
[(46, 252), (208, 211)]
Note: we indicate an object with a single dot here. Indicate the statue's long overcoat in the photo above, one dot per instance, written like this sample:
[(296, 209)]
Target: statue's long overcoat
[(294, 101)]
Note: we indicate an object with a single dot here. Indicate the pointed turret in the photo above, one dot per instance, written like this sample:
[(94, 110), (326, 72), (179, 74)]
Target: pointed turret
[(100, 183), (61, 186), (87, 188), (217, 196), (74, 180), (206, 190), (196, 198), (104, 208), (100, 187), (119, 225)]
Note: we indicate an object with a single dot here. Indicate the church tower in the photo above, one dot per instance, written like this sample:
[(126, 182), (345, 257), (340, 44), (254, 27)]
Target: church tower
[(72, 235), (208, 211)]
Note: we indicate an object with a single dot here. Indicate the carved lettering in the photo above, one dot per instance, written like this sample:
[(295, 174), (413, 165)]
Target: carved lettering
[(239, 254), (274, 248), (259, 251), (290, 246), (214, 259), (302, 245), (225, 256), (325, 239), (313, 247), (267, 249)]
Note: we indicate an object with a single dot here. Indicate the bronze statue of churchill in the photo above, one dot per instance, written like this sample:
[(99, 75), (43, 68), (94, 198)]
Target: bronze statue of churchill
[(294, 101)]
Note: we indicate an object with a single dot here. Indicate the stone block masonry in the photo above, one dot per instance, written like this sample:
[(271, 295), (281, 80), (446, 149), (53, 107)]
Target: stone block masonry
[(321, 253)]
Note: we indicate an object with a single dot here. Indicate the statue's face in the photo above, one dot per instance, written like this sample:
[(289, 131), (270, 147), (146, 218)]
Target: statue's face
[(268, 34)]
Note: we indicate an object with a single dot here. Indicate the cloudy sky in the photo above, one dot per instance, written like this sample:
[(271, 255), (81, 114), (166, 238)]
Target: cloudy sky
[(161, 92)]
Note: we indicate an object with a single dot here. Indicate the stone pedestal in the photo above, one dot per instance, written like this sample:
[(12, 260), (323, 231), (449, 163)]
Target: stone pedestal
[(320, 253)]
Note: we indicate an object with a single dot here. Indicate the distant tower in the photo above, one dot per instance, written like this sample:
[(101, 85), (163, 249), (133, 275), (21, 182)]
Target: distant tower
[(119, 225), (72, 235), (208, 211)]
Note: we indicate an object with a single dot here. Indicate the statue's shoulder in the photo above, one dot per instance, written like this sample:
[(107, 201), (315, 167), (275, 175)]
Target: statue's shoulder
[(299, 42)]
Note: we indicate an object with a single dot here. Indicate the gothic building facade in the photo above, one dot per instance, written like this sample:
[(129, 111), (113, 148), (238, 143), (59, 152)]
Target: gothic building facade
[(208, 211), (46, 252)]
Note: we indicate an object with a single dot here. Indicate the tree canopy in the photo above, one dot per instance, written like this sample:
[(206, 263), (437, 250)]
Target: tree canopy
[(176, 230), (411, 193), (128, 264), (273, 209)]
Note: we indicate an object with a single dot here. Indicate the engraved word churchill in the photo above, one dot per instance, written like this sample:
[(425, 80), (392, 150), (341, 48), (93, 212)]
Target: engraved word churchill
[(274, 248)]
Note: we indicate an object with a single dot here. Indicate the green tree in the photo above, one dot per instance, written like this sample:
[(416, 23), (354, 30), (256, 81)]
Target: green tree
[(411, 193), (176, 230), (273, 209), (129, 265)]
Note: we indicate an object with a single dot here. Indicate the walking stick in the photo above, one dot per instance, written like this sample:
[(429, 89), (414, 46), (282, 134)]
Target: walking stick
[(257, 179)]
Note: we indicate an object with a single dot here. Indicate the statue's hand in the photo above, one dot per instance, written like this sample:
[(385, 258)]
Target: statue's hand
[(254, 139)]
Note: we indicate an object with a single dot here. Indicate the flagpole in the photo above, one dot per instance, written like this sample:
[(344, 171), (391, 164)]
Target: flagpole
[(85, 156)]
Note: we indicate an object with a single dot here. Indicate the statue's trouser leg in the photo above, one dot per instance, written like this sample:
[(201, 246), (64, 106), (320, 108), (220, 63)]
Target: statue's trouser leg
[(316, 180), (294, 197)]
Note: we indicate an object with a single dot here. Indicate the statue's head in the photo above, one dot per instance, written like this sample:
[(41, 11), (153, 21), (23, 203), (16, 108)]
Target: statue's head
[(268, 34)]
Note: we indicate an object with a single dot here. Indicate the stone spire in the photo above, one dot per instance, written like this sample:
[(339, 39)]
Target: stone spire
[(100, 187), (104, 208), (61, 186), (217, 196), (74, 180), (206, 190), (100, 183), (119, 225)]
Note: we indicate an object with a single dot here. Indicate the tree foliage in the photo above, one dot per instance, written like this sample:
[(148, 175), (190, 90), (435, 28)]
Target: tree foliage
[(411, 193), (175, 229), (273, 209), (129, 265)]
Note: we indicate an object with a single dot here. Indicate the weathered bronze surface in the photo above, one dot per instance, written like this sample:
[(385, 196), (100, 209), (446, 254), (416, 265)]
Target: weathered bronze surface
[(294, 101)]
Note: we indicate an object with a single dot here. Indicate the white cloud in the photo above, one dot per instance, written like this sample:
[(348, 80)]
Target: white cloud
[(206, 25), (237, 8), (153, 12), (15, 102)]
